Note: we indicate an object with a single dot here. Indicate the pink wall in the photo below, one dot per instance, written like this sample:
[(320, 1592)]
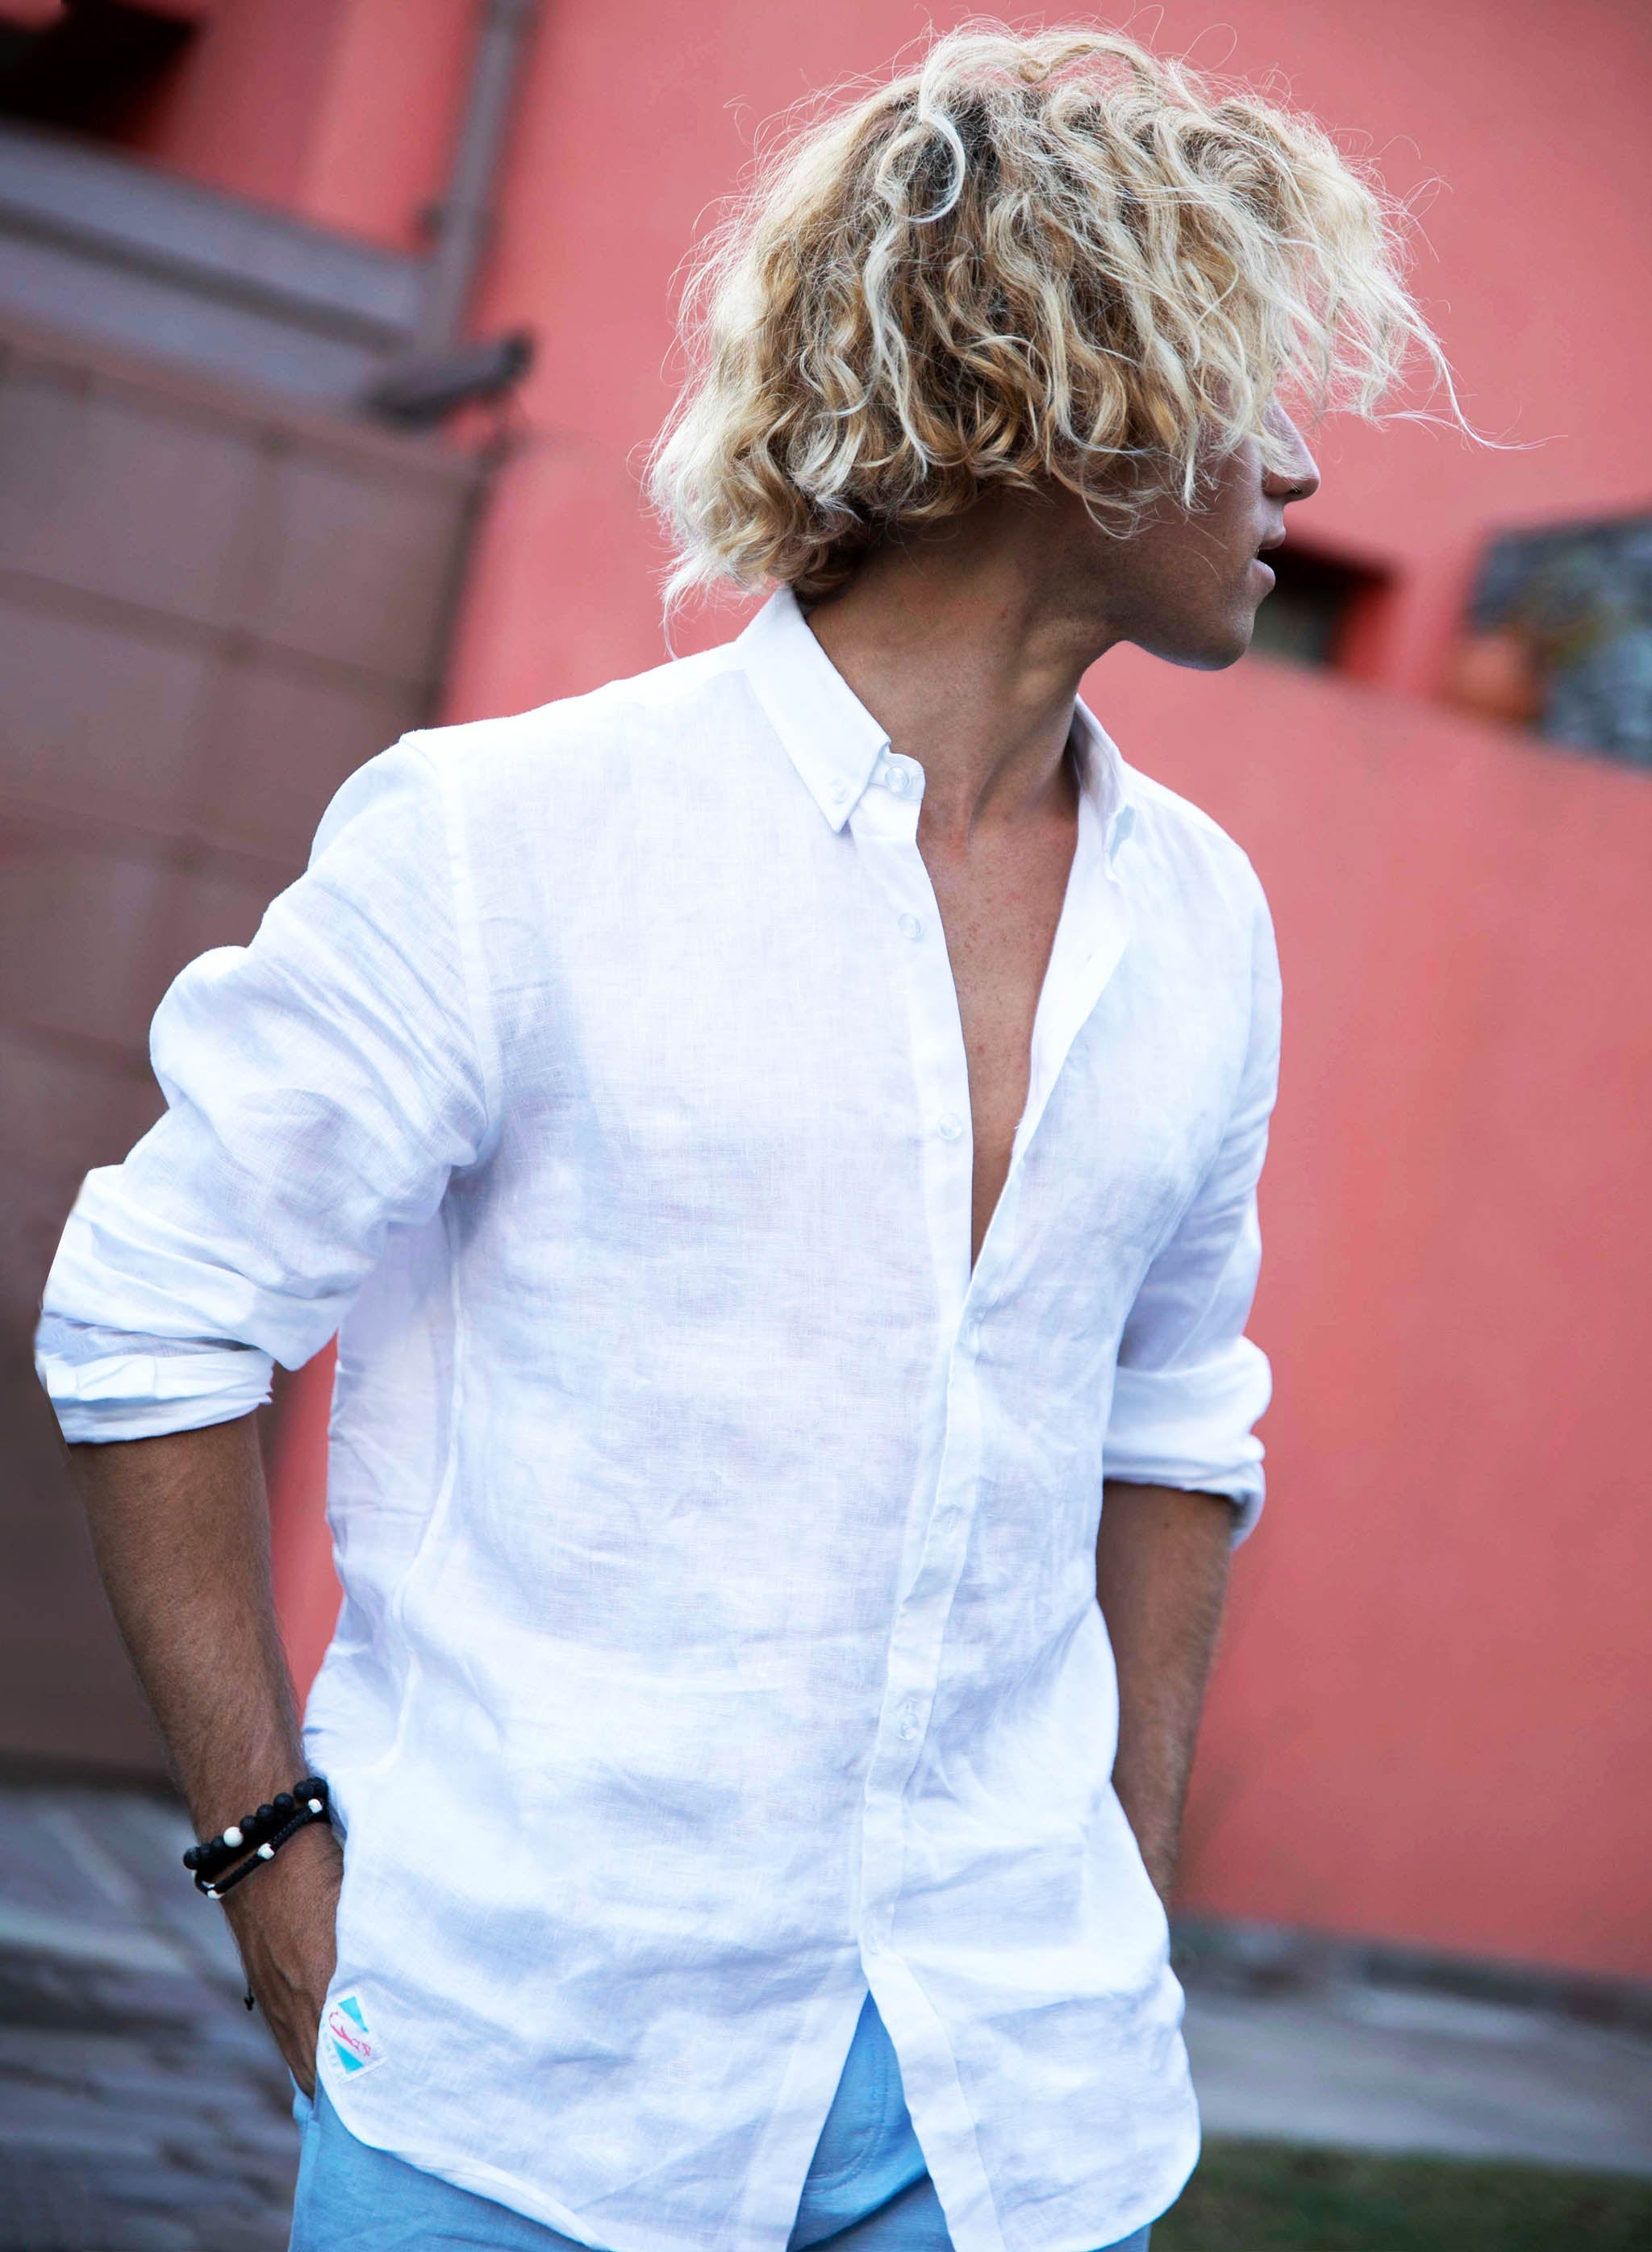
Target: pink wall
[(1428, 1724), (339, 110), (302, 1575), (1433, 1719)]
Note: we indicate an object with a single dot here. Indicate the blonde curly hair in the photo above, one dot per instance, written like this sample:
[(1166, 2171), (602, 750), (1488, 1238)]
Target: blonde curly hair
[(1048, 256)]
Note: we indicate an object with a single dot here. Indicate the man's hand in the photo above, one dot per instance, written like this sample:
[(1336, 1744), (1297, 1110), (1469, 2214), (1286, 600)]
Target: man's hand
[(181, 1534), (283, 1917), (1161, 1570)]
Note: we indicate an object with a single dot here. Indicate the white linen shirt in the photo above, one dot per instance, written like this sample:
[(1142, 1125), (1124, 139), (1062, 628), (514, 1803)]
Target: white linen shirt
[(719, 1633)]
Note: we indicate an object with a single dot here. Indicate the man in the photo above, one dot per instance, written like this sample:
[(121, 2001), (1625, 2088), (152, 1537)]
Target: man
[(780, 1137)]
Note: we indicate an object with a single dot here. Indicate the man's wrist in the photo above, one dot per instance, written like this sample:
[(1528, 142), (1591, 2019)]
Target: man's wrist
[(308, 1861), (225, 1800), (1159, 1858)]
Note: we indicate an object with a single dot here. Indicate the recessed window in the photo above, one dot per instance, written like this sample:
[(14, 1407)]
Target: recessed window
[(1317, 609), (85, 67), (1560, 637)]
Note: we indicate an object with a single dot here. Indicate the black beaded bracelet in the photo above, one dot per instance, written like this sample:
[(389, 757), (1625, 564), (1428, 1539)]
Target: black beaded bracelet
[(256, 1838)]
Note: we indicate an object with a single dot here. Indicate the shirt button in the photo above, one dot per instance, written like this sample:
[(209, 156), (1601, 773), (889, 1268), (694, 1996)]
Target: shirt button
[(949, 1128), (911, 927), (897, 780), (909, 1728)]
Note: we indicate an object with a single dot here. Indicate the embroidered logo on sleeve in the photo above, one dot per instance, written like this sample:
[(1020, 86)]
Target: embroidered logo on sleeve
[(356, 2046)]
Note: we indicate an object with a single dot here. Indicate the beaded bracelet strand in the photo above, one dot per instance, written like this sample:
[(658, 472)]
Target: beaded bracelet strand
[(256, 1837)]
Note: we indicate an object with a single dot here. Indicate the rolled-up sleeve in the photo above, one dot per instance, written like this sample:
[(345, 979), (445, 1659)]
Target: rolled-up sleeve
[(322, 1085), (1191, 1384)]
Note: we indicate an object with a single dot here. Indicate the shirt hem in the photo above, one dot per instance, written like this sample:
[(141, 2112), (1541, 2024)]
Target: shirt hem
[(506, 2189)]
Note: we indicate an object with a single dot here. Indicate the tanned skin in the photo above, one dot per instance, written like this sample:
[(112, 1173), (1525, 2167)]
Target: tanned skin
[(967, 643), (181, 1528)]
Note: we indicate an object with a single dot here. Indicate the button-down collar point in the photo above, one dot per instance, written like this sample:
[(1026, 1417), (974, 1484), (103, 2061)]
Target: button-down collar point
[(830, 737)]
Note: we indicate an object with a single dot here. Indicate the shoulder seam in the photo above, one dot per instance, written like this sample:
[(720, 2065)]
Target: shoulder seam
[(467, 931)]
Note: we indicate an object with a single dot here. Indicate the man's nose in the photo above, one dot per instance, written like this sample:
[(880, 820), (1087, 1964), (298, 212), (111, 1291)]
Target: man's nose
[(1299, 479)]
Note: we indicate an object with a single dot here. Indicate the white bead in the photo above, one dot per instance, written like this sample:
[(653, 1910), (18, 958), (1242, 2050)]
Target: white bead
[(314, 1806), (267, 1853), (232, 1836)]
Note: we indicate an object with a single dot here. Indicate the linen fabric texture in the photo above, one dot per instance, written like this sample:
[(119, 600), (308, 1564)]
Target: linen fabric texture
[(866, 2191), (720, 1638)]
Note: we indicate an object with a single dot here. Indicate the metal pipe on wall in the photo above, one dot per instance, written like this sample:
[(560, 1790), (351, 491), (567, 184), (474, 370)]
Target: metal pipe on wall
[(465, 216)]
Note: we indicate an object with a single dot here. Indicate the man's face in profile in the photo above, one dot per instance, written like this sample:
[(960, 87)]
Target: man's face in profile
[(1185, 585)]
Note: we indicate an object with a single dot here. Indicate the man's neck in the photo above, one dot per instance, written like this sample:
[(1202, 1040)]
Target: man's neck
[(965, 643)]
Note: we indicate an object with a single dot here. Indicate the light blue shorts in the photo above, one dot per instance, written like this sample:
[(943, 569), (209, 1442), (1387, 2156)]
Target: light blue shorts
[(868, 2189)]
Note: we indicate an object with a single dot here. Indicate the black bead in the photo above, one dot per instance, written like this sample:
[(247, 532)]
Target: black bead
[(218, 1866)]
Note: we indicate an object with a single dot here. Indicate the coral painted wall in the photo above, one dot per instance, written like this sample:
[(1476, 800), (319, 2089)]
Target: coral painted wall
[(1432, 1720), (340, 111)]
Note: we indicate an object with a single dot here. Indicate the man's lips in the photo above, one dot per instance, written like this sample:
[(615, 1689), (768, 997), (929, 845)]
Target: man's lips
[(1271, 539)]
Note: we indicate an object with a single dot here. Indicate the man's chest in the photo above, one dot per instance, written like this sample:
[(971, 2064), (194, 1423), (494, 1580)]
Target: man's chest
[(1000, 902), (770, 1069)]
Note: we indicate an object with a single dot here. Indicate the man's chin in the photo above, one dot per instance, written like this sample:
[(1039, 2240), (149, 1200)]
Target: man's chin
[(1211, 652)]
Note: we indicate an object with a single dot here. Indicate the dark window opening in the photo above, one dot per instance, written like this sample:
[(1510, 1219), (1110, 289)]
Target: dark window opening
[(87, 69), (1560, 637), (1317, 609)]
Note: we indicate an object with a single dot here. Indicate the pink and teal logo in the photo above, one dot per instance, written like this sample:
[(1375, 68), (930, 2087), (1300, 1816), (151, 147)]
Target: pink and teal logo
[(355, 2046)]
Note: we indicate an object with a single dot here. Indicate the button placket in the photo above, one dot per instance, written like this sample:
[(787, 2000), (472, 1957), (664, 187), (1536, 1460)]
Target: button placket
[(885, 822), (915, 1653), (917, 1643), (1080, 966)]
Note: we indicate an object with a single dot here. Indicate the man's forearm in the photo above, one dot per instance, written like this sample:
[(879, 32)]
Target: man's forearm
[(181, 1528), (1161, 1561)]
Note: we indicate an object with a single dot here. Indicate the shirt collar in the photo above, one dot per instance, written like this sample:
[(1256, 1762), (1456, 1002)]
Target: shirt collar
[(1107, 783), (830, 737), (835, 743)]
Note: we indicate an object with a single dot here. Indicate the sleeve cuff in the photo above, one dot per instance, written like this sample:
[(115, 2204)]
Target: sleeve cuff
[(1191, 1427), (138, 1394)]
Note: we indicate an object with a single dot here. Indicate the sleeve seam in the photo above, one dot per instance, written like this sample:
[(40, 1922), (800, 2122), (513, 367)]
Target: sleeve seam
[(467, 931)]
